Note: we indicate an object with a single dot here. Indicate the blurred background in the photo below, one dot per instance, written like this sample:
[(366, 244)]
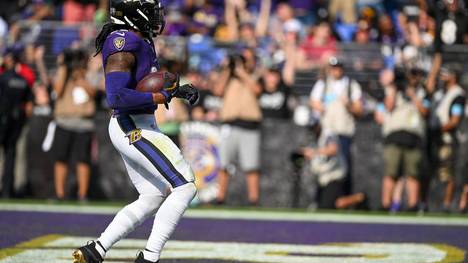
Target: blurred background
[(356, 104)]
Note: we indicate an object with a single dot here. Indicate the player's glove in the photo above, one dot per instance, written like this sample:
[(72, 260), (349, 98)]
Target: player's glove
[(187, 92), (169, 90), (171, 84)]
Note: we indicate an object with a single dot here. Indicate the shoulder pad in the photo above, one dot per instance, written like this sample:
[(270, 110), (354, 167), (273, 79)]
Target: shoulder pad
[(121, 41)]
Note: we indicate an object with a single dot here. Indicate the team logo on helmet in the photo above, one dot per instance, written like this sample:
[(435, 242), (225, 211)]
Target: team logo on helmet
[(119, 43)]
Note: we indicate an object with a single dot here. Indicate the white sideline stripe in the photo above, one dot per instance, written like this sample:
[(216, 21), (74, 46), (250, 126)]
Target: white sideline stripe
[(254, 215), (326, 217)]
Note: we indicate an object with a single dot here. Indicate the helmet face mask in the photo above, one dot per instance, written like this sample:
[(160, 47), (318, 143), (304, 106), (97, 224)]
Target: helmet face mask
[(146, 16), (159, 21)]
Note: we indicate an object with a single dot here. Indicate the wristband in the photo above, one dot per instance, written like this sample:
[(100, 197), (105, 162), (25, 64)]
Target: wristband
[(166, 94)]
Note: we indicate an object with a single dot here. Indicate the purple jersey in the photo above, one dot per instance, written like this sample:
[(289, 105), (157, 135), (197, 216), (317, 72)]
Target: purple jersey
[(145, 57)]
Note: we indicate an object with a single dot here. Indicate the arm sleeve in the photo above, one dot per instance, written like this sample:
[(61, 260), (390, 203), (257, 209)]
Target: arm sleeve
[(458, 107), (426, 103), (28, 74), (381, 108), (121, 95)]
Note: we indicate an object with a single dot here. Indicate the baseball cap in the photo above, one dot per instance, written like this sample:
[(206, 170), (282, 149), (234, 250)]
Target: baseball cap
[(335, 62), (451, 69), (292, 26)]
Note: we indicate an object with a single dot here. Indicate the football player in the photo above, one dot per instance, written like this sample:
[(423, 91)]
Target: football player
[(162, 177)]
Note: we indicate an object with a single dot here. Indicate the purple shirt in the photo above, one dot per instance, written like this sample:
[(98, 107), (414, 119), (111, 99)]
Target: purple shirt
[(146, 61)]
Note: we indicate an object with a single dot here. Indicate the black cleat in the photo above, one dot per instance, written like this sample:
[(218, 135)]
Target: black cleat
[(141, 259), (87, 254)]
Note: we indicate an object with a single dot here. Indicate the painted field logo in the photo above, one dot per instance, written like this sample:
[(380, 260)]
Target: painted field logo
[(200, 143), (57, 249)]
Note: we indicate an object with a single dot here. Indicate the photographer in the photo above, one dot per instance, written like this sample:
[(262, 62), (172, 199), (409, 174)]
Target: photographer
[(448, 112), (403, 128), (327, 163), (338, 100), (74, 112), (241, 117)]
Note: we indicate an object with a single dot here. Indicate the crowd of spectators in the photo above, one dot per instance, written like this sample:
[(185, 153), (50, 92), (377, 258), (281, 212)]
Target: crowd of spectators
[(244, 57)]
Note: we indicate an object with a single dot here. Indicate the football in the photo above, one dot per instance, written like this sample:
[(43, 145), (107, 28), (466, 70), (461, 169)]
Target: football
[(156, 81)]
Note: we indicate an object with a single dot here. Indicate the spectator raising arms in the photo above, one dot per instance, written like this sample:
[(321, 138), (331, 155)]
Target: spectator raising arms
[(241, 28), (211, 100), (316, 48), (276, 84)]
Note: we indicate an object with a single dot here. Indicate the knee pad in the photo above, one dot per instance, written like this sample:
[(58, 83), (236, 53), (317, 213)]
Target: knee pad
[(150, 203), (186, 192), (144, 206)]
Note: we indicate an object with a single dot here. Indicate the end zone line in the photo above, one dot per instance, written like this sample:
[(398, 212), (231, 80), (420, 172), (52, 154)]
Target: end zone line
[(253, 215), (36, 242)]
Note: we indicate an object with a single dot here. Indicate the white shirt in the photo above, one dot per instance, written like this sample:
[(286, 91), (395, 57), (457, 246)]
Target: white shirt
[(336, 116), (335, 90)]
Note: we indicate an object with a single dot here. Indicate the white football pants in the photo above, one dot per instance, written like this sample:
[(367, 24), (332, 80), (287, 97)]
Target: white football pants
[(161, 176)]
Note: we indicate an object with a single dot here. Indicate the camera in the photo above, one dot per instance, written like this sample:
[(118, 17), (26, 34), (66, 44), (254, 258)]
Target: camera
[(235, 59), (412, 13), (400, 79), (297, 158), (75, 58)]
